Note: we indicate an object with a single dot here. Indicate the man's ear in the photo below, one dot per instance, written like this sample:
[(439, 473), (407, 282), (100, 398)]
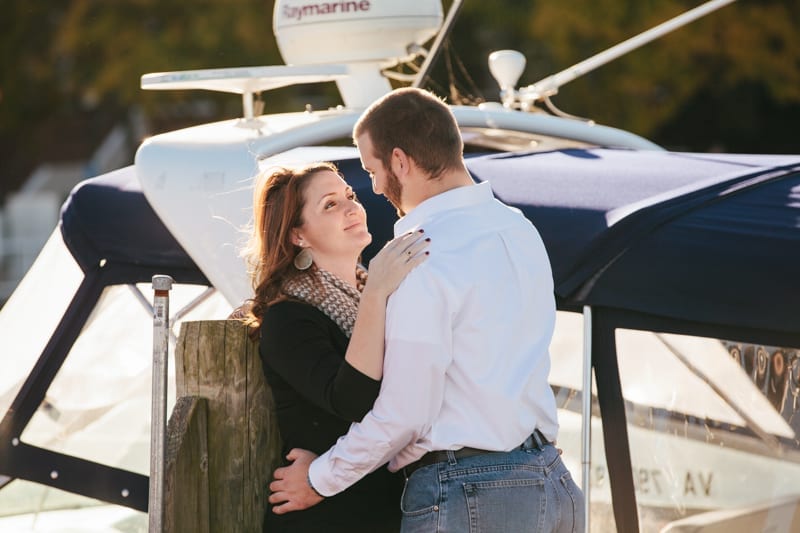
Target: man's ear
[(401, 163)]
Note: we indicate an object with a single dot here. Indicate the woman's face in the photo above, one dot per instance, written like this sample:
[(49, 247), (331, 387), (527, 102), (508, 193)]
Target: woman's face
[(334, 222)]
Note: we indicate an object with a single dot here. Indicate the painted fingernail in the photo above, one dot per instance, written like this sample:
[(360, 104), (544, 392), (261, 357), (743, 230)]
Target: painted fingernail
[(427, 253), (428, 239), (422, 230)]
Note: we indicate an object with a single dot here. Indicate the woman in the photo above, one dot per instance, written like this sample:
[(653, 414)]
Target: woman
[(321, 322)]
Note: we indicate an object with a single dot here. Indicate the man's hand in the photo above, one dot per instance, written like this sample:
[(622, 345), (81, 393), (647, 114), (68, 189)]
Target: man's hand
[(290, 487)]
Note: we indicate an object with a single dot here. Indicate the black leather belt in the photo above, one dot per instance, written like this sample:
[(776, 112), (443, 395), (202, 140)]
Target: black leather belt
[(440, 456)]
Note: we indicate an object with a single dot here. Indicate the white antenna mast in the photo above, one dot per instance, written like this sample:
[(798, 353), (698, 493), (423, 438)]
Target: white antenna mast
[(550, 85)]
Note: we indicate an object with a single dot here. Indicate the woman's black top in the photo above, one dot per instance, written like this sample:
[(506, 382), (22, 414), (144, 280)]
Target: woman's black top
[(317, 395)]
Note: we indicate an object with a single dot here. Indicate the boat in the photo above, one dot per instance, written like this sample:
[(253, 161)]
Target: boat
[(674, 278)]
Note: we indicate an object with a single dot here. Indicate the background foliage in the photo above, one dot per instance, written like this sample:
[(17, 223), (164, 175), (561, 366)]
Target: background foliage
[(730, 81)]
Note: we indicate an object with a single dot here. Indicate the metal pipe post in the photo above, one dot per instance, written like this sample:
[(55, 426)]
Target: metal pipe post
[(586, 411), (158, 420)]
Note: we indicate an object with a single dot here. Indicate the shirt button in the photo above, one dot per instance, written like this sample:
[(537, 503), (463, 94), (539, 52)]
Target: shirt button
[(435, 507)]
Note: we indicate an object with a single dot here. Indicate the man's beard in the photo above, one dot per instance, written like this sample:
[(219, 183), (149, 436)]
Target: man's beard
[(394, 191)]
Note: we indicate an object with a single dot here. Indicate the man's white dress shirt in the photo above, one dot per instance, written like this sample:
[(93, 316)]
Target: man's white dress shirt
[(467, 336)]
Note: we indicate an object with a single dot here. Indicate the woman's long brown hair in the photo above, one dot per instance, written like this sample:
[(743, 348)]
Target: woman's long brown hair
[(278, 201)]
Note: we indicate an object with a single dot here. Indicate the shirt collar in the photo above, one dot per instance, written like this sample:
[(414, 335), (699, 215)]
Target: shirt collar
[(457, 198)]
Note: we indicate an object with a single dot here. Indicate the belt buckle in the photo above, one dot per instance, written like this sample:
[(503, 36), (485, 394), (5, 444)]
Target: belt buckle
[(539, 438), (535, 440), (528, 443)]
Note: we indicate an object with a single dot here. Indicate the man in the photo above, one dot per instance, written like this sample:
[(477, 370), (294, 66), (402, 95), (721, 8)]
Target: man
[(465, 408)]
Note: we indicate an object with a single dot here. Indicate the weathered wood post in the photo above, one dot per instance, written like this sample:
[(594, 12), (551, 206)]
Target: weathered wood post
[(219, 483), (186, 467)]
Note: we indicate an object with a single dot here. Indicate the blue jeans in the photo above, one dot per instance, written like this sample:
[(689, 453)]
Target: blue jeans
[(522, 491)]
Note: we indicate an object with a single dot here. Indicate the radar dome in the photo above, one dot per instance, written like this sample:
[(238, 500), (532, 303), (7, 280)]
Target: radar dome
[(381, 31)]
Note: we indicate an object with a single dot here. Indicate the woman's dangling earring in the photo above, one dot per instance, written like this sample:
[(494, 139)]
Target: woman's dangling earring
[(303, 260)]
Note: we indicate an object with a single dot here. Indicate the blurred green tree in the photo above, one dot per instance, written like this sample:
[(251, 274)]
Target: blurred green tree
[(77, 65), (744, 45), (110, 45), (739, 65), (730, 80)]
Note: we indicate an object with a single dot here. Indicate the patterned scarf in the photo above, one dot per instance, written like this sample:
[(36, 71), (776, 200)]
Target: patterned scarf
[(330, 294)]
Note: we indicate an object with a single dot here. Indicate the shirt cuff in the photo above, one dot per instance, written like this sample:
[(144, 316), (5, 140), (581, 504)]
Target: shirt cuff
[(310, 484), (331, 475), (320, 477)]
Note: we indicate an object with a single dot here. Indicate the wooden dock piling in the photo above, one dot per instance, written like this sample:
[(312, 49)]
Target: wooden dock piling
[(222, 438)]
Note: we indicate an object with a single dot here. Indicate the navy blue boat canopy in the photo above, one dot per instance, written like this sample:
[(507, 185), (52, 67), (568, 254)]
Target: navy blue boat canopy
[(108, 219), (711, 238)]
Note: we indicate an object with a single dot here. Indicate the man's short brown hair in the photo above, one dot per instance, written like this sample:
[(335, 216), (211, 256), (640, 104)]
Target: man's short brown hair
[(417, 122)]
